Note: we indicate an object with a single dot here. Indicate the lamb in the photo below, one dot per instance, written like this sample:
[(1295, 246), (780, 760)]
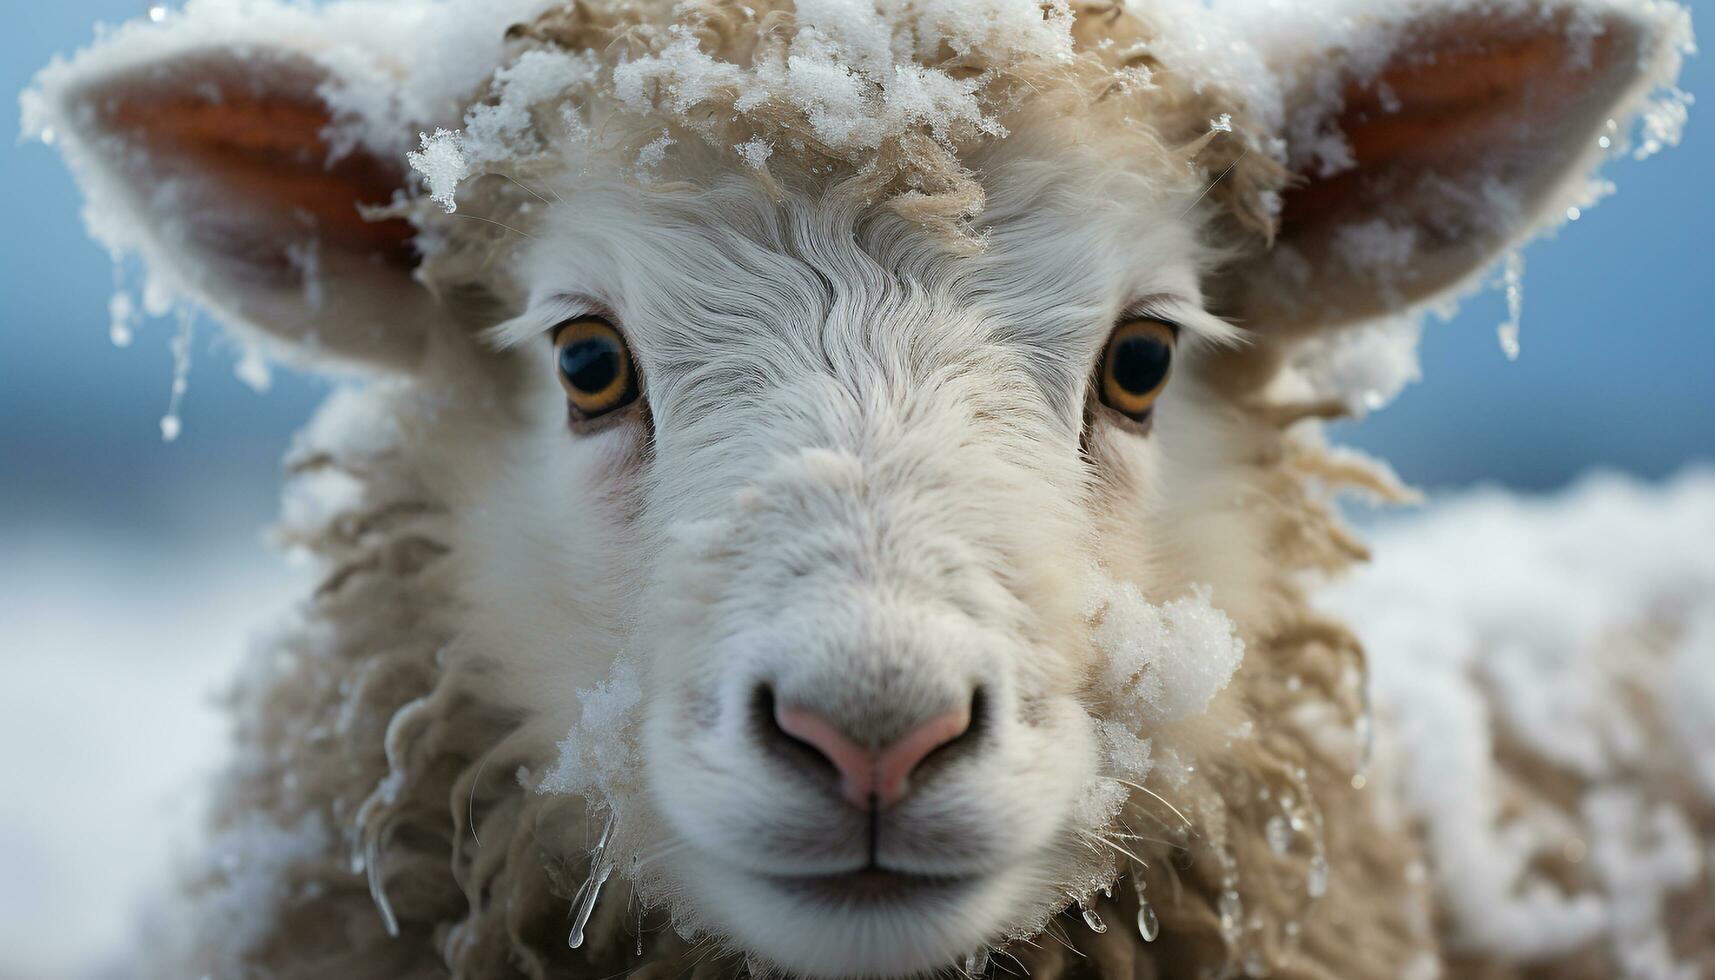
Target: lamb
[(835, 489)]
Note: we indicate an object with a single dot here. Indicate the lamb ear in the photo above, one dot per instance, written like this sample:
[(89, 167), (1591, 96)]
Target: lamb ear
[(215, 163), (1426, 148)]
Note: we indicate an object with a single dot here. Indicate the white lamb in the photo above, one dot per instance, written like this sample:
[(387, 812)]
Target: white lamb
[(819, 469)]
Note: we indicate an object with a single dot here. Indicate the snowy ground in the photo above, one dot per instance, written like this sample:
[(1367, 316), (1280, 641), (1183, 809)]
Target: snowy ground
[(114, 654), (115, 651)]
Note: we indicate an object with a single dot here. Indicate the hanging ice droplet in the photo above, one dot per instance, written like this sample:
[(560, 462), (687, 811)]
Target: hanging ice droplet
[(1279, 834), (977, 964), (371, 851), (48, 136), (157, 12), (1604, 142), (1232, 912), (252, 369), (1364, 729), (171, 425), (1512, 277), (1148, 926), (587, 896), (120, 312), (583, 904), (1093, 920), (1317, 881)]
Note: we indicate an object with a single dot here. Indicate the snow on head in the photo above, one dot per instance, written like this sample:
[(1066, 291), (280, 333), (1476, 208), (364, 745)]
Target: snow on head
[(442, 163)]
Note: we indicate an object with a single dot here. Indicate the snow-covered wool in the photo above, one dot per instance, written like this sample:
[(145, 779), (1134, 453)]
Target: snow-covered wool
[(867, 258)]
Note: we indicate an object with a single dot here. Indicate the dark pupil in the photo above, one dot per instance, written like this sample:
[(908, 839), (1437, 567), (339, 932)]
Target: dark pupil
[(1140, 364), (590, 365)]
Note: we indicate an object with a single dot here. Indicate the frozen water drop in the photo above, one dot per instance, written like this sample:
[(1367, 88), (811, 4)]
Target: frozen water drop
[(1094, 921), (1148, 926), (1512, 277), (1279, 834), (170, 427), (48, 136), (977, 964), (583, 904), (157, 12), (587, 896), (1232, 912), (253, 370), (1317, 881), (1604, 142), (121, 311), (1573, 214)]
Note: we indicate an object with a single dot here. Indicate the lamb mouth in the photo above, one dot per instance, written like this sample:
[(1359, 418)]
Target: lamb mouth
[(872, 885)]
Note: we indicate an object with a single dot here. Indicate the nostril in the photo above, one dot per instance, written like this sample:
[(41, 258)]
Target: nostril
[(868, 776), (765, 725)]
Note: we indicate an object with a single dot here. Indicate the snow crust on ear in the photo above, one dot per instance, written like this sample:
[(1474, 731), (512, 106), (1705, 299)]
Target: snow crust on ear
[(1428, 138), (236, 146)]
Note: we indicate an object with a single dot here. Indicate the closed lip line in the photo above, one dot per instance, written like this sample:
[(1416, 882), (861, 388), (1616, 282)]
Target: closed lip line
[(871, 882)]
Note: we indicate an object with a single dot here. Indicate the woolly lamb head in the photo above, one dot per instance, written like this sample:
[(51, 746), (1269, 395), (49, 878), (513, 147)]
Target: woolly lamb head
[(864, 432)]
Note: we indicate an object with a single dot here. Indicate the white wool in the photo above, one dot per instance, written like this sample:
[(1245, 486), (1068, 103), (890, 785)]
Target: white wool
[(1364, 368), (1521, 630), (255, 858), (1691, 694)]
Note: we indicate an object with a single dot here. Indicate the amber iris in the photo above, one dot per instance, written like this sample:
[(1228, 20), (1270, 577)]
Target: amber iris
[(1136, 366), (595, 366)]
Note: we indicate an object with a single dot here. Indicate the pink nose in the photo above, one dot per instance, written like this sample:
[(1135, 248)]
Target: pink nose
[(868, 776)]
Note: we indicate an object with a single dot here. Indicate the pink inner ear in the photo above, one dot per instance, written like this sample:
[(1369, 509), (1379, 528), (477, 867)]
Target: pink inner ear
[(256, 136), (1457, 103)]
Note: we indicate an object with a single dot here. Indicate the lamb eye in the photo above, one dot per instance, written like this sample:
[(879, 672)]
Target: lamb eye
[(1136, 366), (595, 366)]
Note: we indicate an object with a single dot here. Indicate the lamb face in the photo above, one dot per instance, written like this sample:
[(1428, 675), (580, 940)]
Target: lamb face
[(866, 501)]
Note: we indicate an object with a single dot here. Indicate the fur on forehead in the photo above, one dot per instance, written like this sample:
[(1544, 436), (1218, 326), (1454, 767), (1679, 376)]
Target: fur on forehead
[(1073, 240), (652, 91)]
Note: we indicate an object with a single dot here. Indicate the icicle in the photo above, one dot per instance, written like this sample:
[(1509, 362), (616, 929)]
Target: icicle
[(1279, 834), (1231, 910), (1364, 729), (583, 904), (977, 965), (586, 899), (378, 891), (181, 348), (1092, 920), (1148, 926), (1512, 277), (1317, 882), (121, 311), (252, 369)]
